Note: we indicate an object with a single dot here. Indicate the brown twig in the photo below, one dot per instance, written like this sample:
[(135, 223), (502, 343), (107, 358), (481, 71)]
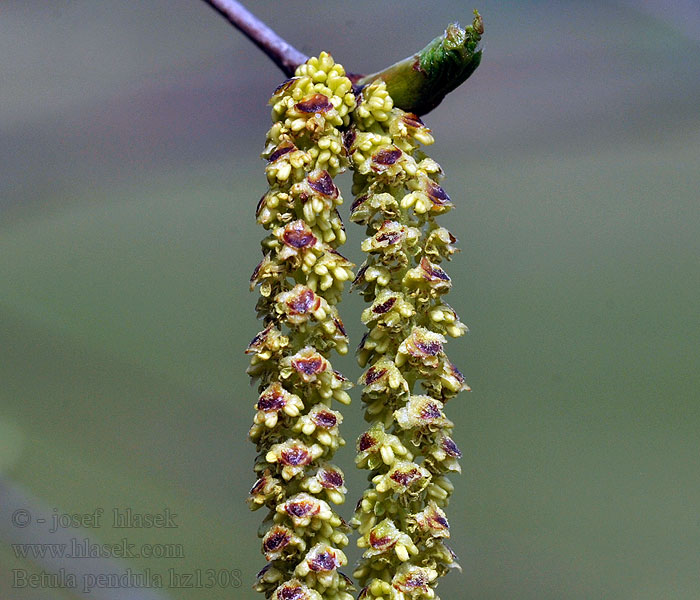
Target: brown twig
[(417, 84), (284, 55)]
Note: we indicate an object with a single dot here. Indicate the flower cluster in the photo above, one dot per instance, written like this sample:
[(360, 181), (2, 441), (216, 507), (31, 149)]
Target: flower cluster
[(301, 278), (408, 449)]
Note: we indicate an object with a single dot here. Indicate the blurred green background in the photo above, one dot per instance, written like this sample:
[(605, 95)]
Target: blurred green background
[(129, 174)]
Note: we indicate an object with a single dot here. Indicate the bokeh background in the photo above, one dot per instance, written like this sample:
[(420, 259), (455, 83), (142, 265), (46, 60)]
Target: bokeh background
[(129, 173)]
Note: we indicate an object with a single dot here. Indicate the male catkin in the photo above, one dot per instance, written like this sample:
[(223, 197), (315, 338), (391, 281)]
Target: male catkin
[(409, 448), (301, 278)]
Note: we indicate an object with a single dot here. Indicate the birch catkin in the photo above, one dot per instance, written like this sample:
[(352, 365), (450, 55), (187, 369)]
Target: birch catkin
[(301, 278), (408, 448)]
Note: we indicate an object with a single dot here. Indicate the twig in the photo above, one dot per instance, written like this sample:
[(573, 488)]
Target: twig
[(284, 55), (417, 84)]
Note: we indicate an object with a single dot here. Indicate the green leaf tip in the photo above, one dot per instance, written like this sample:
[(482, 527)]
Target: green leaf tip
[(420, 82)]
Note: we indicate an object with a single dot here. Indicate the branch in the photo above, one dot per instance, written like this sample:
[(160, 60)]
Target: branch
[(284, 55), (417, 84)]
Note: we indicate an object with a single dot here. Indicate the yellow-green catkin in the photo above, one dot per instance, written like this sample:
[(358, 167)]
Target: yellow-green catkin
[(409, 448), (301, 278)]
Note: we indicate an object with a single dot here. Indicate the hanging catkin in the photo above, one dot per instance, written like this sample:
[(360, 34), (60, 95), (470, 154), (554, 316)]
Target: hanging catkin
[(301, 278), (408, 448)]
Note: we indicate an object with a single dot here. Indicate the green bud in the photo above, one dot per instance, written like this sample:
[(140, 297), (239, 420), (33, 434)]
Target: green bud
[(420, 82)]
